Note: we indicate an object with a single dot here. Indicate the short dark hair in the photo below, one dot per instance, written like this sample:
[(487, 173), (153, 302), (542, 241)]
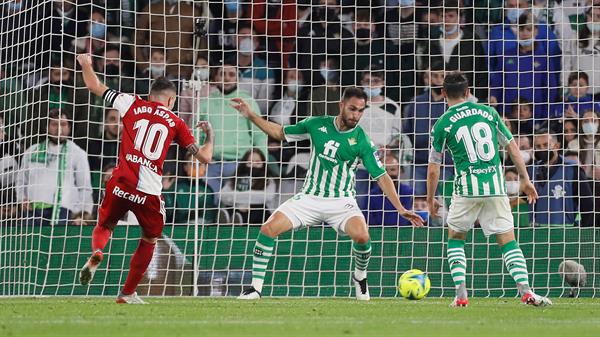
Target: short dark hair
[(578, 75), (375, 71), (161, 85), (56, 113), (354, 92), (455, 84)]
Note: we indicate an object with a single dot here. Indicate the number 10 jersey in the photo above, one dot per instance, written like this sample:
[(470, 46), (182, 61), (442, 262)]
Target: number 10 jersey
[(148, 130), (472, 132)]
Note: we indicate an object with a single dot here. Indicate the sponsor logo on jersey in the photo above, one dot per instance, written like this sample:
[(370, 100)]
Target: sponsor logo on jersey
[(129, 196), (323, 129), (349, 206), (489, 169), (329, 151), (142, 161)]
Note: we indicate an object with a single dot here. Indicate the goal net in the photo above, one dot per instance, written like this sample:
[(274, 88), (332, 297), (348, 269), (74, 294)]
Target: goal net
[(534, 61)]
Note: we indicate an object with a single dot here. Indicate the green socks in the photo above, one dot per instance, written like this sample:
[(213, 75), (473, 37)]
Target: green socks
[(457, 261), (263, 249), (515, 263), (362, 254)]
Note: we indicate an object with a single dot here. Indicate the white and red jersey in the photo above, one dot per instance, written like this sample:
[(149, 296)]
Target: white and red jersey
[(148, 130)]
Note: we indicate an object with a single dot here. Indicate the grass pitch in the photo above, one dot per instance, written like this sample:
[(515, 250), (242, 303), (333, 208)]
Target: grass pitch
[(90, 317)]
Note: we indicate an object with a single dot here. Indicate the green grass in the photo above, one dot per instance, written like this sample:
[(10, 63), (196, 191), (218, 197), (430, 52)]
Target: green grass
[(78, 316)]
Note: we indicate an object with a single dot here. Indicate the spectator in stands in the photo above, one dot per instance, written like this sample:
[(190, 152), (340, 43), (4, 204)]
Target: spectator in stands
[(283, 111), (530, 71), (8, 170), (563, 187), (276, 20), (63, 26), (181, 206), (504, 36), (95, 35), (105, 149), (518, 205), (402, 29), (321, 37), (577, 99), (524, 144), (326, 98), (156, 69), (255, 77), (234, 136), (587, 144), (570, 131), (378, 209), (167, 25), (460, 50), (522, 118), (419, 117), (99, 191), (195, 90), (223, 28), (580, 45), (112, 66), (12, 102), (364, 49), (251, 193), (53, 183)]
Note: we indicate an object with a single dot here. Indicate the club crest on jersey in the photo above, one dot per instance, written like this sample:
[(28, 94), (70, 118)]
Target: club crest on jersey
[(352, 141), (323, 129)]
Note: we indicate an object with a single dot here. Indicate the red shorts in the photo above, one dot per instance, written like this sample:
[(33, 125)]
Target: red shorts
[(148, 209)]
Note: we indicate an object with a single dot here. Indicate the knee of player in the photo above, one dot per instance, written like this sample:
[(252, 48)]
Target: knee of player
[(361, 238), (149, 239), (268, 230)]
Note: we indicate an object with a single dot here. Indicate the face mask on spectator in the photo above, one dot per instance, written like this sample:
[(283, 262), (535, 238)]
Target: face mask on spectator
[(201, 74), (363, 33), (157, 69), (232, 6), (542, 156), (328, 74), (372, 92), (112, 69), (589, 128), (594, 27), (407, 3), (526, 156), (452, 30), (513, 14), (246, 46), (292, 86), (512, 187), (98, 30), (526, 43)]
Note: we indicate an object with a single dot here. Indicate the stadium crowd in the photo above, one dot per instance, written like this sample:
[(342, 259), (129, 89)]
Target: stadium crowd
[(535, 61)]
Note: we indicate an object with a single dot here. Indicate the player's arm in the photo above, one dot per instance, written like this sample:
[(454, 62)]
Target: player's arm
[(92, 82), (436, 154), (515, 155), (203, 153), (389, 189), (274, 130), (433, 177)]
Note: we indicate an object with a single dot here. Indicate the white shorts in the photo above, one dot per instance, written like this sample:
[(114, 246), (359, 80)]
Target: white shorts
[(494, 214), (305, 210)]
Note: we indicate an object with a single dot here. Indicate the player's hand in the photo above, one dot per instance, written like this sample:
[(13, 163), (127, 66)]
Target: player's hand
[(84, 60), (434, 207), (413, 217), (530, 192), (205, 126), (242, 106)]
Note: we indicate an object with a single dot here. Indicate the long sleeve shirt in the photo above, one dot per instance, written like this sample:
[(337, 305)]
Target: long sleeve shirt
[(56, 173)]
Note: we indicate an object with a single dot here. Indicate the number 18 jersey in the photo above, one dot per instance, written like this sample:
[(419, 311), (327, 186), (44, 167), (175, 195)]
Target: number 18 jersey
[(472, 133), (148, 130)]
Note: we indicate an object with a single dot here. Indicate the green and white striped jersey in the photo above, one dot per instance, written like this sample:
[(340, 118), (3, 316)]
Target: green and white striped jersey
[(334, 157), (472, 133)]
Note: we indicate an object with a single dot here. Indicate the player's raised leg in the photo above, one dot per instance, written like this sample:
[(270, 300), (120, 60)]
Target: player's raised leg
[(109, 213), (457, 261), (517, 268), (358, 231), (277, 224)]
